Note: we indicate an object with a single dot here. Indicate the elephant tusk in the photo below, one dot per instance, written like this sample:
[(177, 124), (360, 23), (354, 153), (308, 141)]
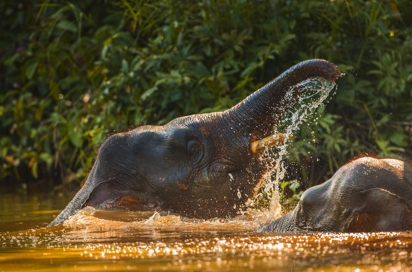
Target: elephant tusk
[(271, 141)]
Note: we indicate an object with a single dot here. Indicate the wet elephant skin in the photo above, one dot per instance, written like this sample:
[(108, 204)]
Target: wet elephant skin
[(365, 195), (198, 166)]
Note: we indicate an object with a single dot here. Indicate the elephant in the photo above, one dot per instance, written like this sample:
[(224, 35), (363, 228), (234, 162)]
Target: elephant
[(200, 165), (366, 195)]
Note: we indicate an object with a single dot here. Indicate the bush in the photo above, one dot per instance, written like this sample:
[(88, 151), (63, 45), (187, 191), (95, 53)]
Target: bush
[(74, 73)]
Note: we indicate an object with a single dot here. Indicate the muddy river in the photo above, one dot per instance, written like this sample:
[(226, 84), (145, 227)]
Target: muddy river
[(94, 240)]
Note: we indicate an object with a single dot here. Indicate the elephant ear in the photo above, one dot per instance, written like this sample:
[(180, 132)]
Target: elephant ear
[(383, 211)]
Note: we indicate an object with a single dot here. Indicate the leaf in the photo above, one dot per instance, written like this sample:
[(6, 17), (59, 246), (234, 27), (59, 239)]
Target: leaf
[(251, 67), (104, 51), (31, 69), (345, 68), (10, 159), (39, 113), (32, 161), (66, 25), (75, 136), (287, 37), (46, 158), (33, 169), (54, 89), (125, 66), (383, 120), (284, 184), (294, 185), (207, 49), (148, 93), (399, 138)]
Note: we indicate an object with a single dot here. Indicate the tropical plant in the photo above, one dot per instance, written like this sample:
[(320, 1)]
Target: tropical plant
[(73, 73)]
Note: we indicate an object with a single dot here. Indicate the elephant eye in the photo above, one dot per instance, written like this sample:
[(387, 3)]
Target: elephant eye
[(195, 150)]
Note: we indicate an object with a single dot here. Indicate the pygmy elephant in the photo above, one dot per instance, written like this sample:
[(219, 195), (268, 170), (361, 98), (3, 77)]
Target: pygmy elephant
[(367, 194), (200, 165)]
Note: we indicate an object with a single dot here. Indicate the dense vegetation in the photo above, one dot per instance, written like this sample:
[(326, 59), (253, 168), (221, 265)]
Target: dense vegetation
[(72, 73)]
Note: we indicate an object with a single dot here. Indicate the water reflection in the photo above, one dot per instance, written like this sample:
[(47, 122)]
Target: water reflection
[(99, 240), (25, 211)]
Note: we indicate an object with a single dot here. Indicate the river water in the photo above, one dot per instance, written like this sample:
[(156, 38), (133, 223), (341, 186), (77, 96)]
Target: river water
[(95, 240)]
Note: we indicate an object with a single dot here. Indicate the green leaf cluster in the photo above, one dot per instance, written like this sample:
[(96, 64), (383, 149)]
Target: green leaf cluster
[(290, 194), (72, 73)]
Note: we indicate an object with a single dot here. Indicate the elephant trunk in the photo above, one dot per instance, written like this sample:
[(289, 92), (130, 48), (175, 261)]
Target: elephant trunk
[(78, 200), (286, 223), (267, 105)]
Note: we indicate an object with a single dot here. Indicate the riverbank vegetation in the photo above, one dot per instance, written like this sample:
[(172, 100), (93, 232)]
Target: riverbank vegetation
[(73, 73)]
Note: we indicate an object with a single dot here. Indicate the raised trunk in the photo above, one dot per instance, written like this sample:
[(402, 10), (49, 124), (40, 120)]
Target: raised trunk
[(268, 104)]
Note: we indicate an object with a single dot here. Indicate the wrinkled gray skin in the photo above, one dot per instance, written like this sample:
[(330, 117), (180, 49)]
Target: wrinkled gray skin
[(365, 195), (198, 166)]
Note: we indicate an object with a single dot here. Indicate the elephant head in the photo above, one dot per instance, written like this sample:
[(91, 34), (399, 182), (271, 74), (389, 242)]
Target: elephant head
[(365, 195), (197, 166)]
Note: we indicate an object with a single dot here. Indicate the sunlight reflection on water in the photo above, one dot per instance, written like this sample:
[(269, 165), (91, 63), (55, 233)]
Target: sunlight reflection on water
[(90, 241)]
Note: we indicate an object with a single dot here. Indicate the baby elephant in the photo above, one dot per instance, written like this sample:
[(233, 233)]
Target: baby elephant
[(201, 165), (367, 194)]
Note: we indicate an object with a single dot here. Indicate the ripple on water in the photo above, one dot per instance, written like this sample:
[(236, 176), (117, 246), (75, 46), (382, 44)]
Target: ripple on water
[(89, 241)]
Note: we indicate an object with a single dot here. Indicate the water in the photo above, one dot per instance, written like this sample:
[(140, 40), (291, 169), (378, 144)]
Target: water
[(125, 241), (313, 94)]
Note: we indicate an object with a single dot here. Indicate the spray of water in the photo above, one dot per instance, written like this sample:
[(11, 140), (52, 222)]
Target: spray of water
[(313, 94)]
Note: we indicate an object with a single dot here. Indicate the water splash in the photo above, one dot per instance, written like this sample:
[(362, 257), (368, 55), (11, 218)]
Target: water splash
[(93, 221), (92, 242), (313, 93)]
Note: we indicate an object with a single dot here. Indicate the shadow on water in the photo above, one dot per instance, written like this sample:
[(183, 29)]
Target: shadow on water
[(95, 240)]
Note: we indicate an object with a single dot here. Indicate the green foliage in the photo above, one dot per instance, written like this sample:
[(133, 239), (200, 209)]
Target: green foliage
[(291, 191), (74, 72), (370, 113)]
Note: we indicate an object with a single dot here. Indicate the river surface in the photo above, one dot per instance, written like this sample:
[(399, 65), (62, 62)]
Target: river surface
[(94, 240)]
